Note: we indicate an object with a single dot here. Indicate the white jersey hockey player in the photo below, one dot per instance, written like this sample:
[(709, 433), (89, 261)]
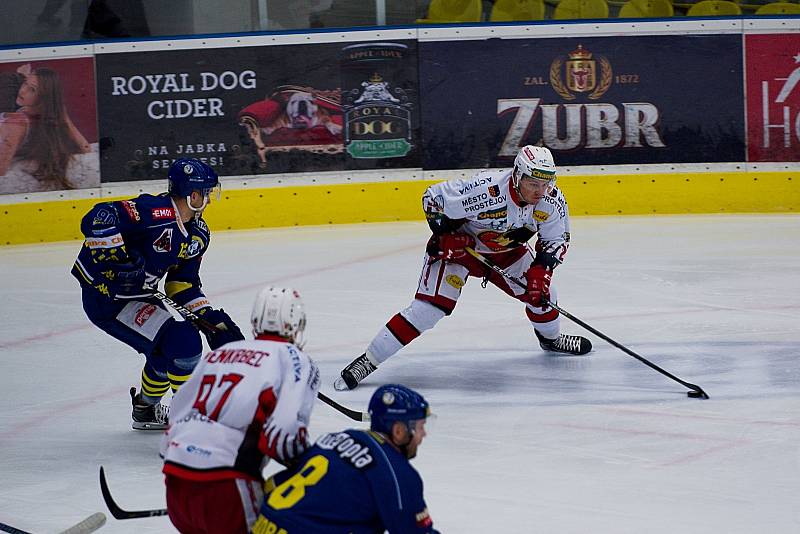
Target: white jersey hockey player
[(496, 213), (246, 402)]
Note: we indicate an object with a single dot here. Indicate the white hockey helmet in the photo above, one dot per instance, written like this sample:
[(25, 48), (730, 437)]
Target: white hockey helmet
[(534, 162), (279, 310)]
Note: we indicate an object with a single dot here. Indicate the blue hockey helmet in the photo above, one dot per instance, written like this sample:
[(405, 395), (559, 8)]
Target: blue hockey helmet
[(186, 175), (394, 402)]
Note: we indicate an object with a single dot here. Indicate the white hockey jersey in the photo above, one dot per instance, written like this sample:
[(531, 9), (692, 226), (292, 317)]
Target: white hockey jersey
[(217, 417), (491, 215)]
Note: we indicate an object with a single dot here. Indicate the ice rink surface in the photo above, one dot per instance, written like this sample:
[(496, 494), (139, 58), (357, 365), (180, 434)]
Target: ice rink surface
[(525, 442)]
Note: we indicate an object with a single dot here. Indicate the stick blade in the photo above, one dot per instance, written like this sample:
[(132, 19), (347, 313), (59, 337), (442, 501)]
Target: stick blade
[(90, 524), (115, 510)]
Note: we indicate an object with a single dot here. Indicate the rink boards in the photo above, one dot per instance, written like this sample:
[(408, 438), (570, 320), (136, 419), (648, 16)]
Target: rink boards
[(320, 199)]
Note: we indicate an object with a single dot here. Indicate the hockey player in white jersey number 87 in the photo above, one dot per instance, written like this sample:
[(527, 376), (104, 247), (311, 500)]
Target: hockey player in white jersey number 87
[(495, 213), (246, 402)]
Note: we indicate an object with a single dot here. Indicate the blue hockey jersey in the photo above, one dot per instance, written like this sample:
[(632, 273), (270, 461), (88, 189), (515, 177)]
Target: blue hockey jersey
[(149, 226), (349, 482)]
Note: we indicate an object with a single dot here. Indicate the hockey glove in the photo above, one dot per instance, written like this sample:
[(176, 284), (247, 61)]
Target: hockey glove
[(538, 286), (284, 442), (226, 332), (451, 246), (126, 280)]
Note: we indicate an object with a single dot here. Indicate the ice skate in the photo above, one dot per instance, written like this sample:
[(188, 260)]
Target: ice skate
[(565, 344), (148, 416), (355, 372)]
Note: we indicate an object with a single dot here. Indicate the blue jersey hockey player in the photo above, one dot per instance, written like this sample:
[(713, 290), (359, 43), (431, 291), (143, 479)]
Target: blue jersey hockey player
[(356, 481), (129, 246)]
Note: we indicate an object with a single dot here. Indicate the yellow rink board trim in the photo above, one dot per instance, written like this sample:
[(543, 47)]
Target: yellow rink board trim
[(640, 194)]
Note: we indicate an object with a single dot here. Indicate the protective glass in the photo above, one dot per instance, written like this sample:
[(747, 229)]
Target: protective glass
[(300, 334), (213, 193), (429, 422)]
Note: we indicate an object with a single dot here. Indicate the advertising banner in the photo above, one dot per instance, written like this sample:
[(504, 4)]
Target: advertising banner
[(592, 101), (48, 126), (259, 110), (772, 65)]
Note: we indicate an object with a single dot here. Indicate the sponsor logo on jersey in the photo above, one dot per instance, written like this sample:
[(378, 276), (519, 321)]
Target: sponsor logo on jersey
[(313, 377), (423, 519), (104, 242), (556, 203), (541, 216), (164, 241), (494, 190), (162, 213), (480, 181), (130, 208), (143, 314), (194, 415), (196, 304), (499, 213), (481, 201), (455, 281), (297, 367), (194, 449), (347, 448)]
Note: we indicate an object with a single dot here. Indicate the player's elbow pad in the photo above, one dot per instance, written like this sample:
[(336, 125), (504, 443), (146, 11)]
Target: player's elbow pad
[(443, 224), (101, 220)]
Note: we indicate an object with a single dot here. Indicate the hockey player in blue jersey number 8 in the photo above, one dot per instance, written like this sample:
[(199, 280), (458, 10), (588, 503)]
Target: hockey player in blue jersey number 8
[(129, 246), (495, 213), (356, 481)]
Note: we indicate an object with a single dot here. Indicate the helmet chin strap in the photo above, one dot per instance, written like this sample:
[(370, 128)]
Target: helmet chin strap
[(197, 211)]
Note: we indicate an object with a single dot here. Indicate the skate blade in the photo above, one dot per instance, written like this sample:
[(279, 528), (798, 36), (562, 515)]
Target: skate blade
[(562, 354), (136, 425), (340, 385)]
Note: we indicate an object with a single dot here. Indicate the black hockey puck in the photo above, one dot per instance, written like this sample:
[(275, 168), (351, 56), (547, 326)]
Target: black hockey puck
[(694, 394)]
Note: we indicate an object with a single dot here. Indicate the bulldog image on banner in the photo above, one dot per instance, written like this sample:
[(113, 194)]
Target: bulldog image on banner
[(295, 118)]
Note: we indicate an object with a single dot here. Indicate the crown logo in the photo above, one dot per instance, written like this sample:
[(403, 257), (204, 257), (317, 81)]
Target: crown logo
[(375, 78), (582, 74), (580, 54)]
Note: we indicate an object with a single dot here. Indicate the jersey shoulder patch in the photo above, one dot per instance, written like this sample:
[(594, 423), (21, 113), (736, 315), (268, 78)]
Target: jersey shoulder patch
[(200, 229), (149, 209), (130, 209)]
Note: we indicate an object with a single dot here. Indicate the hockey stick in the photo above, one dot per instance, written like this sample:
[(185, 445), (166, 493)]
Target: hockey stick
[(90, 524), (355, 415), (118, 512), (12, 530), (186, 313), (696, 391), (206, 326)]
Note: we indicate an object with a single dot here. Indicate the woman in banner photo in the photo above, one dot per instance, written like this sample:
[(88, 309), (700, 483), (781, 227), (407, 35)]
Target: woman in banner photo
[(40, 147)]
